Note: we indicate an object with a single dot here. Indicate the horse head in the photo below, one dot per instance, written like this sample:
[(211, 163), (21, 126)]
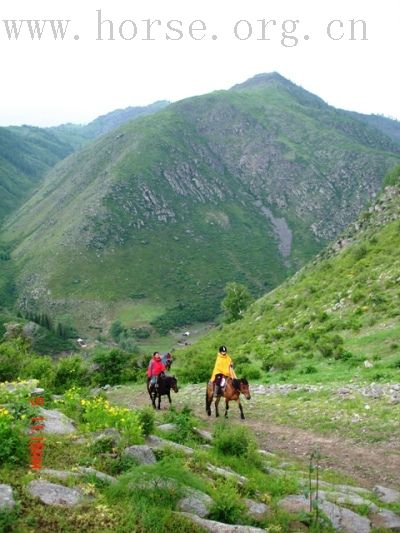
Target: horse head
[(245, 388), (174, 384)]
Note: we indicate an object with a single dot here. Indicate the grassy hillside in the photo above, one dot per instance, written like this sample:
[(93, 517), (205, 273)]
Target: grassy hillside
[(244, 185), (26, 154), (322, 324), (79, 134)]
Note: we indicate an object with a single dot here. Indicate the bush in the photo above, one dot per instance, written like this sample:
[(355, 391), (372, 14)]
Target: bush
[(146, 420), (13, 357), (115, 366), (14, 442), (184, 421), (359, 252), (234, 440), (41, 368), (70, 371), (227, 506), (97, 413), (248, 371)]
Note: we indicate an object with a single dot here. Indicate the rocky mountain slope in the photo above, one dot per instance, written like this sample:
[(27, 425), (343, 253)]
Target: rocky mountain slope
[(336, 319), (150, 221)]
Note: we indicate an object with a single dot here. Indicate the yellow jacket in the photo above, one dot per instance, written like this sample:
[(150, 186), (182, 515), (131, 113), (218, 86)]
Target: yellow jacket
[(223, 365)]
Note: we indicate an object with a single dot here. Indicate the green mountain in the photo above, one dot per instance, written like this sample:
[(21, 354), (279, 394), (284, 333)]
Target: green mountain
[(79, 134), (26, 154), (149, 222), (388, 126), (329, 318)]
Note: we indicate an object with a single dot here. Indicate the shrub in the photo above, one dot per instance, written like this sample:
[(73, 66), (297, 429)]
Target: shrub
[(146, 420), (42, 369), (114, 366), (359, 252), (227, 506), (98, 413), (233, 440), (70, 371), (184, 421), (14, 442), (13, 357), (248, 371)]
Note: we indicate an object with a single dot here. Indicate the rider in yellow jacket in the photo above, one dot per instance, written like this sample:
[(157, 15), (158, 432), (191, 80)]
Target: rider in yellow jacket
[(223, 368)]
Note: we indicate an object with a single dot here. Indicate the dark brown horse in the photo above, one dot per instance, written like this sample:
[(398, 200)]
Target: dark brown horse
[(233, 389), (164, 386)]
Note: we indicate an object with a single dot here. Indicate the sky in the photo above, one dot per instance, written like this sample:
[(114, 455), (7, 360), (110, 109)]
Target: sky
[(169, 50)]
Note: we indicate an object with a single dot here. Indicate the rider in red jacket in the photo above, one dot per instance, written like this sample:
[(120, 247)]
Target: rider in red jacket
[(155, 368)]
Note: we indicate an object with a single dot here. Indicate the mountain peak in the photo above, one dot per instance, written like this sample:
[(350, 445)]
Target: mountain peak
[(263, 79)]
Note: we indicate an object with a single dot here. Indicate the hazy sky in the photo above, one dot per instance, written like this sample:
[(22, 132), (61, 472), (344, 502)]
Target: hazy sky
[(50, 81)]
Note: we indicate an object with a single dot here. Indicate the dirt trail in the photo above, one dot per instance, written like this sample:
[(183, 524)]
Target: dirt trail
[(368, 465)]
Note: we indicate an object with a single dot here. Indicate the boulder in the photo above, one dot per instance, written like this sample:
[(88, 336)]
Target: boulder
[(387, 495), (156, 443), (203, 434), (87, 470), (59, 474), (143, 454), (342, 519), (56, 423), (219, 527), (109, 434), (52, 494), (227, 474), (196, 502), (7, 501), (256, 510), (386, 520), (168, 427), (345, 520), (347, 499)]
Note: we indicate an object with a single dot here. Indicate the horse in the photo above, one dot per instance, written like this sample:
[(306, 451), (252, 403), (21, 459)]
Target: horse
[(165, 384), (232, 391)]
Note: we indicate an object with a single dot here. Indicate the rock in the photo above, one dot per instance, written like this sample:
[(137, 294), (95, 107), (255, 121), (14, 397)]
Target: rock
[(294, 504), (52, 494), (256, 510), (227, 474), (345, 520), (368, 364), (219, 527), (143, 454), (265, 453), (196, 502), (203, 434), (386, 520), (7, 501), (168, 427), (56, 423), (387, 495), (342, 519), (59, 474), (347, 499), (111, 434), (87, 470), (156, 443)]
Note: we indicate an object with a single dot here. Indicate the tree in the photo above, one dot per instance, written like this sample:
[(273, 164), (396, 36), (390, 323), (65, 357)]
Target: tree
[(237, 300)]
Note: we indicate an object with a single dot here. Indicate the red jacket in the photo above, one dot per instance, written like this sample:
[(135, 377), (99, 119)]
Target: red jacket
[(155, 368)]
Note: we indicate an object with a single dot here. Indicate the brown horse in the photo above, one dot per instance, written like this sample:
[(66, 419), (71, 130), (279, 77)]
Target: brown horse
[(232, 391)]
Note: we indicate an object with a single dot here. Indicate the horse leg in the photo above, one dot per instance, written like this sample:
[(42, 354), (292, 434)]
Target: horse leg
[(209, 400), (216, 406), (159, 401), (169, 398), (241, 409), (226, 408)]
